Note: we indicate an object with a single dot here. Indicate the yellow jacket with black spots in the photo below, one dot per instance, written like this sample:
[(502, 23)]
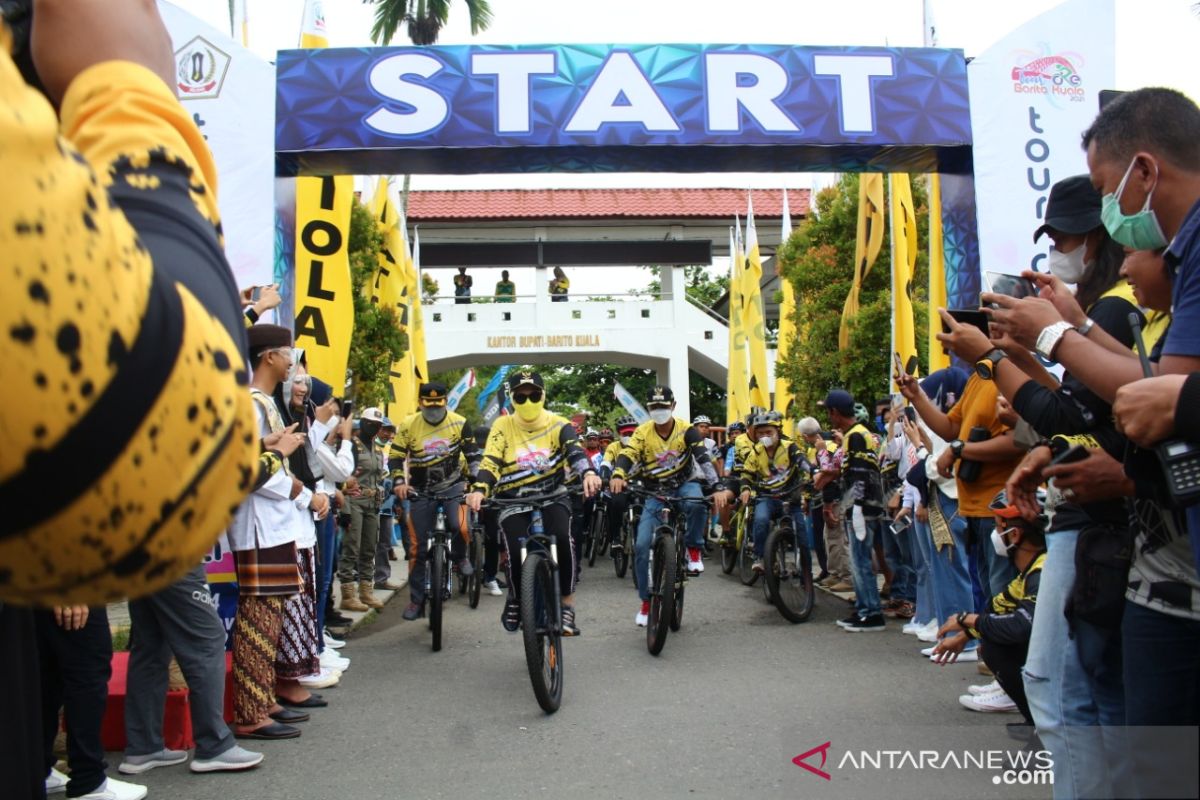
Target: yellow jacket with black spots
[(124, 342)]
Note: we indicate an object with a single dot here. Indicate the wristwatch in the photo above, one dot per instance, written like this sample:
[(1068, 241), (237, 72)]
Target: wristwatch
[(1086, 326), (956, 447), (985, 367), (1049, 338)]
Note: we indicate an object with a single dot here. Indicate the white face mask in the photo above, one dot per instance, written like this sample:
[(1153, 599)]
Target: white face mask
[(661, 416), (766, 441), (1070, 267), (625, 441), (998, 544)]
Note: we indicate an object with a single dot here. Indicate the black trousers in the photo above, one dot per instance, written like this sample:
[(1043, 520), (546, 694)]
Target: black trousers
[(21, 769), (421, 511), (618, 504), (816, 517), (491, 542), (556, 520), (581, 517), (1005, 661), (76, 666)]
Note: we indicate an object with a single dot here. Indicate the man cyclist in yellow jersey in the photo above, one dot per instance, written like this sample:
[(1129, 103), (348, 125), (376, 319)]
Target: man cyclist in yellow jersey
[(618, 504), (773, 466), (674, 461), (526, 454), (439, 448)]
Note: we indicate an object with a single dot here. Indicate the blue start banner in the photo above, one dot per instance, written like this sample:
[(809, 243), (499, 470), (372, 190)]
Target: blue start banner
[(576, 108)]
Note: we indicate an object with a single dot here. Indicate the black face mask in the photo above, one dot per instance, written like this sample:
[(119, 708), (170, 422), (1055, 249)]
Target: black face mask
[(367, 430)]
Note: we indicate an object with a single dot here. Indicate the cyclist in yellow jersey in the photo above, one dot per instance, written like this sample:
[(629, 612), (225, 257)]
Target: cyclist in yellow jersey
[(618, 504), (438, 446), (671, 453), (526, 454), (773, 466)]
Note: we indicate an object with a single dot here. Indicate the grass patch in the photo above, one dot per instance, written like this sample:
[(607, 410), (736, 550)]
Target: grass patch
[(120, 639)]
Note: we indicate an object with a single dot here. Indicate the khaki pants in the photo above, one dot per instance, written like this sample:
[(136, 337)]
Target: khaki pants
[(838, 553), (357, 560)]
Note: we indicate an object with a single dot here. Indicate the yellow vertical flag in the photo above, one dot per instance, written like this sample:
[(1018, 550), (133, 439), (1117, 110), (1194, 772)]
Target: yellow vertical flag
[(416, 317), (312, 27), (787, 329), (390, 287), (324, 304), (938, 357), (904, 264), (868, 241), (753, 319), (737, 404)]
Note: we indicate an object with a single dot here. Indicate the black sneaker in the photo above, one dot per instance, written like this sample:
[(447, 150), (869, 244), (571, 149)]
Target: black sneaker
[(848, 621), (568, 622), (510, 617), (874, 622), (337, 619)]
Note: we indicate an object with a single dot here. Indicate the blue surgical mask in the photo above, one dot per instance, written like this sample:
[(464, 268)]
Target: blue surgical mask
[(1139, 231)]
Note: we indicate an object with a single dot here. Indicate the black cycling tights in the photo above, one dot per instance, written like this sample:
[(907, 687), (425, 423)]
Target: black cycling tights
[(556, 520)]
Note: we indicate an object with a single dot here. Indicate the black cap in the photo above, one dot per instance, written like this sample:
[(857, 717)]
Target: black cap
[(525, 377), (432, 394), (268, 337), (1073, 207), (839, 400), (660, 395)]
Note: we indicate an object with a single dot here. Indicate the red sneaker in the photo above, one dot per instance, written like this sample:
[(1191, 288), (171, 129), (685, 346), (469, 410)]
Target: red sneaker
[(643, 616), (695, 561)]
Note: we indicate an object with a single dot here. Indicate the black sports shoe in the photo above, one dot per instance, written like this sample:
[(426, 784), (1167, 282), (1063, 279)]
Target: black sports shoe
[(510, 617), (337, 618), (874, 622), (848, 621), (568, 622)]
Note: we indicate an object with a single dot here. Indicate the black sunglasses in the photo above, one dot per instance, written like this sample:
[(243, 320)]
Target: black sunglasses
[(534, 396)]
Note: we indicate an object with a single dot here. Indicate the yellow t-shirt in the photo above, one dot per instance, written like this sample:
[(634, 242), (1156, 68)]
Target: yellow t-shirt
[(977, 408), (125, 339)]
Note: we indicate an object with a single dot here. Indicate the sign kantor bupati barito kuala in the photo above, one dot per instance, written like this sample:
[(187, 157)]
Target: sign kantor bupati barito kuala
[(570, 108)]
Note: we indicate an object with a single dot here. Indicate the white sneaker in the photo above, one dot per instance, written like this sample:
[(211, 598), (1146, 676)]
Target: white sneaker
[(929, 632), (990, 688), (333, 641), (965, 657), (113, 789), (913, 628), (696, 564), (321, 680), (988, 703), (135, 765), (232, 760), (330, 659), (56, 782), (493, 588), (643, 616), (927, 652)]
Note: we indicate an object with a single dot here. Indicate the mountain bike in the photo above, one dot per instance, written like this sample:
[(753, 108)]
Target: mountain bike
[(541, 601), (788, 567), (624, 539), (598, 539), (438, 577), (473, 583), (732, 545)]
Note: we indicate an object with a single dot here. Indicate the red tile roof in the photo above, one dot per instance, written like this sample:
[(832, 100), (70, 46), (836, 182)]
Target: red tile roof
[(531, 204)]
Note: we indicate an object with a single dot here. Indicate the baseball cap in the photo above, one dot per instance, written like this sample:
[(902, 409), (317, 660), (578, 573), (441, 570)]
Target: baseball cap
[(839, 400), (321, 391), (660, 395), (1073, 207), (372, 414), (387, 423), (525, 377), (432, 394)]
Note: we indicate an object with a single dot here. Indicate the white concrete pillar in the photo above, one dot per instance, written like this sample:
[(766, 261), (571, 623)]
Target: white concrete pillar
[(677, 379)]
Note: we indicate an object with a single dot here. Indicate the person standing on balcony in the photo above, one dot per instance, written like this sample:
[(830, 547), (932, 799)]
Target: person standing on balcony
[(506, 290), (462, 286), (559, 285)]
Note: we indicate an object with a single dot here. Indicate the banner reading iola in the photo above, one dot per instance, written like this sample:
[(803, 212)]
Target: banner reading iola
[(1031, 95), (324, 305)]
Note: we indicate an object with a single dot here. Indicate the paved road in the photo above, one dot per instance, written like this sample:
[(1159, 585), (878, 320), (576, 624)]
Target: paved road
[(733, 698)]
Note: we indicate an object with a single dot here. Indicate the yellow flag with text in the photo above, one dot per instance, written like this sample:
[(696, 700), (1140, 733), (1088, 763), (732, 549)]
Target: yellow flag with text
[(390, 287), (324, 304), (753, 319), (417, 318), (938, 357), (737, 405), (787, 329), (904, 265), (868, 241)]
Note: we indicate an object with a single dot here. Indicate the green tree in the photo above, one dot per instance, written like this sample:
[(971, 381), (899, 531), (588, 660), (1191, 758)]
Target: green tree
[(819, 261), (698, 282), (423, 19), (377, 339)]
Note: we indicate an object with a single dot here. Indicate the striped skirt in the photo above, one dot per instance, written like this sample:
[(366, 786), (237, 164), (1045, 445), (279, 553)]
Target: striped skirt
[(268, 571), (298, 653)]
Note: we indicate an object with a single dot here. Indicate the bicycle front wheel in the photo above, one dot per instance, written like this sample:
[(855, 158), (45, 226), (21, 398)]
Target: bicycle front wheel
[(541, 629), (598, 528), (437, 593), (663, 563), (746, 557), (789, 575), (680, 585), (475, 580), (621, 559), (729, 550)]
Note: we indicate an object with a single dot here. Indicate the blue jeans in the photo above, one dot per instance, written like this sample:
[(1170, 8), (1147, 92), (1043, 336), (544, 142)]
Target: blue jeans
[(765, 510), (995, 571), (862, 573), (922, 540), (898, 550), (695, 514), (948, 571), (326, 547), (1162, 687)]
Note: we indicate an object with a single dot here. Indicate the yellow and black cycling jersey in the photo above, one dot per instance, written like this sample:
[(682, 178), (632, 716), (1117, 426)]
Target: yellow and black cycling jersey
[(781, 471), (437, 455), (1009, 617), (530, 456), (861, 479), (665, 461), (610, 461)]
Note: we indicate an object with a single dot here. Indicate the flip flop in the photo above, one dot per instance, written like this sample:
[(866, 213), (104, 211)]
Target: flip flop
[(314, 701)]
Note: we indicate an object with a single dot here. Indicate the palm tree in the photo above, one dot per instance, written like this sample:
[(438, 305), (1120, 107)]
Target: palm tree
[(424, 18)]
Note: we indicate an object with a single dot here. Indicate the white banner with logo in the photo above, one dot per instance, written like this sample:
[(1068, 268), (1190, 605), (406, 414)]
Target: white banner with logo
[(1033, 94), (628, 402), (230, 93)]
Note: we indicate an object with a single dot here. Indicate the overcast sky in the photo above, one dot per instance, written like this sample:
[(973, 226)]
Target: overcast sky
[(1158, 43)]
